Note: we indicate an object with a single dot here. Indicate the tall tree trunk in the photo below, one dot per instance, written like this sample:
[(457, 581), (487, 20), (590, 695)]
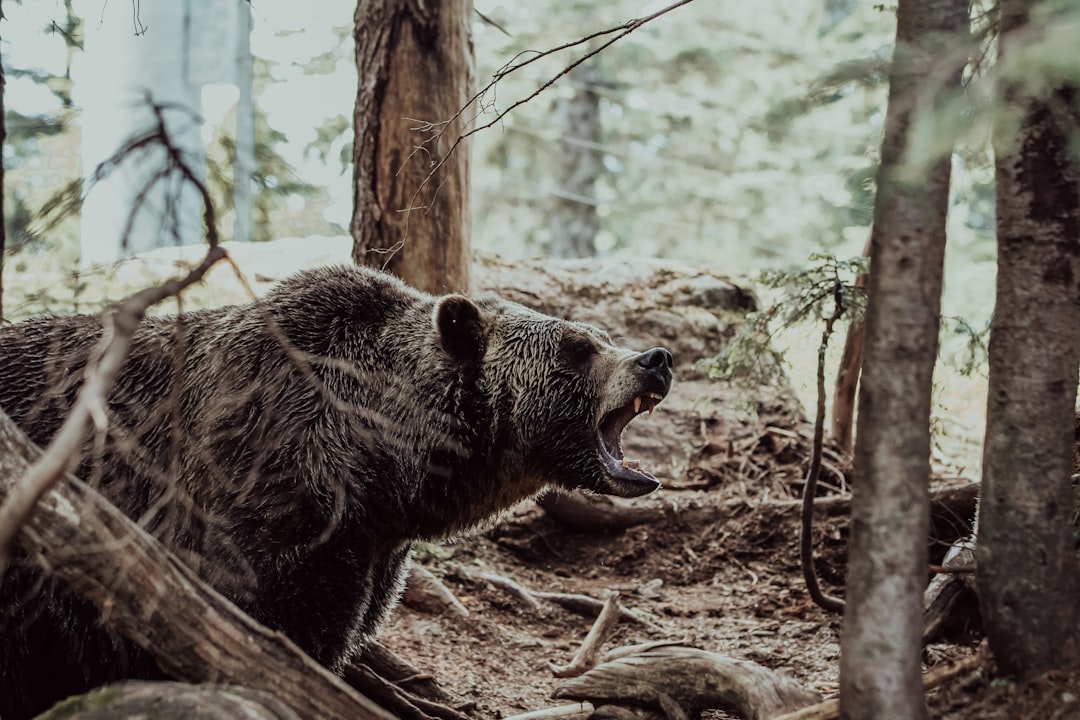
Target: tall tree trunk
[(3, 220), (879, 663), (574, 221), (1027, 568), (414, 61)]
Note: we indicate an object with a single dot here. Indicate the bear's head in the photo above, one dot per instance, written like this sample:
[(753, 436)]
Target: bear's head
[(561, 392)]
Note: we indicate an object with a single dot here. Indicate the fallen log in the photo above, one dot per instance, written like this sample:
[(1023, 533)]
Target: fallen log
[(688, 680), (601, 512), (194, 633), (171, 701)]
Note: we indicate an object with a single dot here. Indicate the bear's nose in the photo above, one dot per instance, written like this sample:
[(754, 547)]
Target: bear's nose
[(656, 359)]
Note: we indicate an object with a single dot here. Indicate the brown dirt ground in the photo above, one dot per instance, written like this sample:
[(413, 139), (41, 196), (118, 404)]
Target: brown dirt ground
[(726, 558)]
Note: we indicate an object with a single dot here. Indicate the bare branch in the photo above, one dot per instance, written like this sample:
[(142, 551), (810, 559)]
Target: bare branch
[(477, 100), (64, 451)]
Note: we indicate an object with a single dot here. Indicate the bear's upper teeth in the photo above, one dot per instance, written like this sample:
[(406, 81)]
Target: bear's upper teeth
[(649, 400)]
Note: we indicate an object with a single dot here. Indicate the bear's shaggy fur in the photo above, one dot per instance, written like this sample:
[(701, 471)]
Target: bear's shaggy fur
[(292, 450)]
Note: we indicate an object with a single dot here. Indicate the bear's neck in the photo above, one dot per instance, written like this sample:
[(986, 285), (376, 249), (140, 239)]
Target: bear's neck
[(455, 497)]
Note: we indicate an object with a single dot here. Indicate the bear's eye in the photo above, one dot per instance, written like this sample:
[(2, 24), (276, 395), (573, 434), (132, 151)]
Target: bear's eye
[(578, 353)]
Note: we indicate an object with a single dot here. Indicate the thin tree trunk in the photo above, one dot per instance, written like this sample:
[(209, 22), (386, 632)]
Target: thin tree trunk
[(410, 199), (574, 220), (1027, 573), (244, 162), (847, 378), (879, 665)]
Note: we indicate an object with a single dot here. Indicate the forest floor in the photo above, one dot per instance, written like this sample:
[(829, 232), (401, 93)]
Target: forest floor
[(719, 571)]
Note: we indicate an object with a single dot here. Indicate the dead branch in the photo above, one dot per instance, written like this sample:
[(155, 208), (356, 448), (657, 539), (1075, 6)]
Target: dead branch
[(577, 711), (427, 593), (591, 607), (600, 512), (193, 633), (510, 586), (172, 701), (694, 680), (62, 453), (585, 658)]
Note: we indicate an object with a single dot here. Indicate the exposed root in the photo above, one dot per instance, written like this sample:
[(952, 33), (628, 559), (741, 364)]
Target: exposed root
[(585, 659), (427, 593), (506, 584), (684, 681), (600, 512)]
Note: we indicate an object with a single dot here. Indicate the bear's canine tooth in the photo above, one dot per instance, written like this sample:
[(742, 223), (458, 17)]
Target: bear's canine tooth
[(637, 405)]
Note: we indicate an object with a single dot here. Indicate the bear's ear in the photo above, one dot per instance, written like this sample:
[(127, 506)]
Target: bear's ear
[(460, 329)]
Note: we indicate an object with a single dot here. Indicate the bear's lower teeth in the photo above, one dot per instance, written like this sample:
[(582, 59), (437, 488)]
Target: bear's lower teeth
[(631, 464)]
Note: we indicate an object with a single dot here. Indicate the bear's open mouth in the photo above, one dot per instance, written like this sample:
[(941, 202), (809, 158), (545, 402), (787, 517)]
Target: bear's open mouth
[(611, 450)]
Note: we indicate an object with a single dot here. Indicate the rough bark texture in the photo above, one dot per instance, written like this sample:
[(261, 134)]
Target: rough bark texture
[(689, 680), (574, 221), (1027, 568), (414, 61), (194, 634), (879, 665), (3, 220)]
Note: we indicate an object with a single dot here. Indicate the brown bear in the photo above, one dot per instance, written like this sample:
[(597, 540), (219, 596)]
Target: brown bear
[(292, 450)]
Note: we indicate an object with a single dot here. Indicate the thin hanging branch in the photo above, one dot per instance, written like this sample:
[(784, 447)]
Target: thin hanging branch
[(436, 129), (63, 452)]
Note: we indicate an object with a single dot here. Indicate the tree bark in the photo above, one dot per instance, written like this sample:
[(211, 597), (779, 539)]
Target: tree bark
[(410, 194), (847, 379), (1027, 573), (194, 633), (883, 618), (574, 221), (3, 220)]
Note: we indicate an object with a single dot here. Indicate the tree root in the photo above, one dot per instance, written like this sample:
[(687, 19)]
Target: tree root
[(427, 593), (591, 607), (683, 681), (402, 673), (830, 709), (580, 604), (402, 703), (601, 512), (585, 658)]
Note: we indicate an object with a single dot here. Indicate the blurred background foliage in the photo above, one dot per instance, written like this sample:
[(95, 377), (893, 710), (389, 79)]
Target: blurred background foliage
[(740, 135)]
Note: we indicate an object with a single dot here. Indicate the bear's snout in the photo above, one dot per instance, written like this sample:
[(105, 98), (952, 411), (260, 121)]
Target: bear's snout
[(657, 365), (656, 359)]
